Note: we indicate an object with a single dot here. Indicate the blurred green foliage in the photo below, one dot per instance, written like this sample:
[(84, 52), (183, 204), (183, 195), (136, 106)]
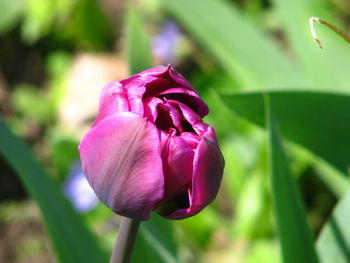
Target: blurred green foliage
[(10, 13), (237, 51)]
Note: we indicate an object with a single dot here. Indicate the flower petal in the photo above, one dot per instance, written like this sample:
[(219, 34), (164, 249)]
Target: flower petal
[(121, 160), (113, 100), (194, 121), (177, 155), (150, 108), (134, 88), (207, 173), (178, 166), (169, 73), (178, 78), (155, 71), (156, 85), (189, 98), (161, 78)]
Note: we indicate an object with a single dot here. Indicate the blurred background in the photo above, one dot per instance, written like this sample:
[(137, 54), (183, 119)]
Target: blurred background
[(56, 55)]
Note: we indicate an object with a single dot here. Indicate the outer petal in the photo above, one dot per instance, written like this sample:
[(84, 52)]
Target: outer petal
[(113, 100), (161, 78), (170, 73), (155, 71), (156, 85), (134, 88), (152, 80), (135, 93), (121, 160), (207, 173)]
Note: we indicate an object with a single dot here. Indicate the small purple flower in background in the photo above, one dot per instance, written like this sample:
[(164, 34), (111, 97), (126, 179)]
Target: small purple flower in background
[(165, 44), (77, 189)]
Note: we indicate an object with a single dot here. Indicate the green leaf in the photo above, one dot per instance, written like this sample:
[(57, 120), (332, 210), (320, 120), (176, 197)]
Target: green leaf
[(72, 240), (137, 44), (333, 244), (318, 121), (237, 45), (296, 240), (327, 68)]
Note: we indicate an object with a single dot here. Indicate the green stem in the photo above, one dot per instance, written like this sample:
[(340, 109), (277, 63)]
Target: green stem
[(125, 241)]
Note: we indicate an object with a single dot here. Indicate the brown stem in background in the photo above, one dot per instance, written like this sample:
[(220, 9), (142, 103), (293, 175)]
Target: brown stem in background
[(125, 241), (344, 35)]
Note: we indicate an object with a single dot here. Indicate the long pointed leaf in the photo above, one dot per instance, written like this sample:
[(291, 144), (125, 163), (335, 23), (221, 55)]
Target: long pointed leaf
[(296, 241), (137, 44), (72, 240), (318, 121), (240, 48), (333, 244)]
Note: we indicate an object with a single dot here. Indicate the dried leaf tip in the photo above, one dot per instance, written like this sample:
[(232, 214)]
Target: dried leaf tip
[(312, 20), (312, 30)]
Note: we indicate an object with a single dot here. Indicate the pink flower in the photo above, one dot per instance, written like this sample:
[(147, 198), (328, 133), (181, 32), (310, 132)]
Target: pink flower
[(149, 149)]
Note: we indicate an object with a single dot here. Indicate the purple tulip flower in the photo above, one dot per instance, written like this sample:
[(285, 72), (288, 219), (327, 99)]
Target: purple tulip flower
[(149, 149)]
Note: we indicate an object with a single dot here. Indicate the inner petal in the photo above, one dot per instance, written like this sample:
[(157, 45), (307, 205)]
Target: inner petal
[(187, 97), (191, 122), (164, 120), (168, 117), (157, 86), (177, 156)]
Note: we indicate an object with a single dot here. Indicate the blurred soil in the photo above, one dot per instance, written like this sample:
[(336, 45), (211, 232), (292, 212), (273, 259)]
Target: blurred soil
[(23, 238)]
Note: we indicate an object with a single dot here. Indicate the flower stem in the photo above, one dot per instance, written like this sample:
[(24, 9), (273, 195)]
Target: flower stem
[(125, 241)]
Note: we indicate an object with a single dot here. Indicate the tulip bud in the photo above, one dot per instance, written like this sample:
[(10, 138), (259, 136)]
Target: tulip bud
[(149, 149)]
